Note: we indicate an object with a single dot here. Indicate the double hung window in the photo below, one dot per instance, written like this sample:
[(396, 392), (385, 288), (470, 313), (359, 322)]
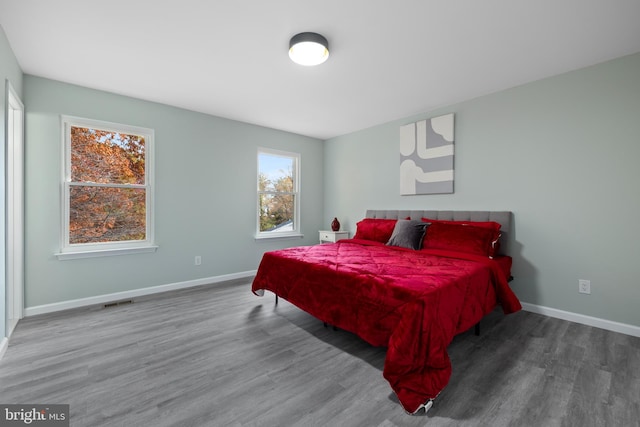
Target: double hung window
[(278, 194), (107, 188)]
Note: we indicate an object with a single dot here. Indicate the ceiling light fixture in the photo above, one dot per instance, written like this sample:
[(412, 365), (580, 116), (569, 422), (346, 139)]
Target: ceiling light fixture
[(308, 49)]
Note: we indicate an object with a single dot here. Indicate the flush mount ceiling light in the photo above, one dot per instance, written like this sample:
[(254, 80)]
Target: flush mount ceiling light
[(308, 49)]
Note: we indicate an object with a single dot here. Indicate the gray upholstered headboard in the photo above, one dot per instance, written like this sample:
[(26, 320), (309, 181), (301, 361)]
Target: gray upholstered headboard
[(501, 217)]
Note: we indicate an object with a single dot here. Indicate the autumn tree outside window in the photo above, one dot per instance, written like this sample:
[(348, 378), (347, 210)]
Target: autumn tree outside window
[(107, 188), (278, 194)]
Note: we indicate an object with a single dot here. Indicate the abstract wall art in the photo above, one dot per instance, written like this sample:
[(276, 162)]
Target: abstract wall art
[(426, 156)]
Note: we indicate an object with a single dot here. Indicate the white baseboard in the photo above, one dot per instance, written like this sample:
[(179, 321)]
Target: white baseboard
[(4, 343), (118, 296), (585, 320)]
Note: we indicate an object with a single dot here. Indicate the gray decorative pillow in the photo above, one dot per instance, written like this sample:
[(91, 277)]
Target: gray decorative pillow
[(408, 233)]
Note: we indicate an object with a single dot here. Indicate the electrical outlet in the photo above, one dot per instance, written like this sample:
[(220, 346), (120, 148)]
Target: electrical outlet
[(584, 286), (198, 260)]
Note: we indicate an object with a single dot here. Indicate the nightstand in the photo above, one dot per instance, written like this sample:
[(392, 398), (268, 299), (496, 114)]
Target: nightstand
[(333, 236)]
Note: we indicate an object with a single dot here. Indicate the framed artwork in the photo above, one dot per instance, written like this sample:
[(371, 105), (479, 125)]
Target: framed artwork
[(426, 156)]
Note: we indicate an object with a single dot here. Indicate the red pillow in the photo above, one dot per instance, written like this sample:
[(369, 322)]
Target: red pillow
[(484, 224), (461, 238), (495, 244), (376, 229)]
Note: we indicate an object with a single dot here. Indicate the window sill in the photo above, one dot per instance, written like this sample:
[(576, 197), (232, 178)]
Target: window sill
[(63, 256), (279, 236)]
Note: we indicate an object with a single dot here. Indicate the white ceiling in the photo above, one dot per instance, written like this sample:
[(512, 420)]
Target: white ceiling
[(389, 58)]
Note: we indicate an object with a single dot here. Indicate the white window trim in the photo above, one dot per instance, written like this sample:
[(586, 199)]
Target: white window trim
[(296, 233), (91, 250)]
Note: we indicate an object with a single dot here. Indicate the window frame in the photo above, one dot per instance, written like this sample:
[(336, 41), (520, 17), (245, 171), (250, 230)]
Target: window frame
[(87, 250), (297, 229)]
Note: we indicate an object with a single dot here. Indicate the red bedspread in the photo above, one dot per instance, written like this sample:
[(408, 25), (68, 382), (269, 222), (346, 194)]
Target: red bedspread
[(413, 302)]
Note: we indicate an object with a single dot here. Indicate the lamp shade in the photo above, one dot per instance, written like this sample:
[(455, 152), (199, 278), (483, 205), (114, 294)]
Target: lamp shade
[(308, 49)]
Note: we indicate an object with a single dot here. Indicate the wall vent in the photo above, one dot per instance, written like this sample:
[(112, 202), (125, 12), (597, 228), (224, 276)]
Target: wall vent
[(117, 303)]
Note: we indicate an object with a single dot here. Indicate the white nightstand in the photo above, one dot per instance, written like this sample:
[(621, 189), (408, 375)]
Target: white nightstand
[(333, 236)]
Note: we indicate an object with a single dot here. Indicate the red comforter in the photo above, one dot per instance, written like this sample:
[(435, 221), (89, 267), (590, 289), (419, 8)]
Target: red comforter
[(413, 302)]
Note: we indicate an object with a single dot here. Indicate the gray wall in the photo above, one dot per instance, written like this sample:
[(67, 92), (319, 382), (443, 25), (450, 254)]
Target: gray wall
[(205, 194), (561, 153), (9, 70)]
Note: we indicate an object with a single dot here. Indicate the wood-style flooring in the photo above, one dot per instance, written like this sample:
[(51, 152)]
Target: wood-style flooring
[(220, 356)]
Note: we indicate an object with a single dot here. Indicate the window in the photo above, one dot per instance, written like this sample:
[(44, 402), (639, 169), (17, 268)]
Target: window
[(278, 197), (107, 188)]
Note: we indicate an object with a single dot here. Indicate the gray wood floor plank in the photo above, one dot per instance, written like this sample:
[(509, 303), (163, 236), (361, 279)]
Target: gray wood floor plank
[(219, 356)]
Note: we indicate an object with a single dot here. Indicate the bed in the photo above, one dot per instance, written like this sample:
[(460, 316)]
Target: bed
[(409, 280)]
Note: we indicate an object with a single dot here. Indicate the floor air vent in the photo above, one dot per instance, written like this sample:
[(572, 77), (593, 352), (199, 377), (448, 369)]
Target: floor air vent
[(117, 303)]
